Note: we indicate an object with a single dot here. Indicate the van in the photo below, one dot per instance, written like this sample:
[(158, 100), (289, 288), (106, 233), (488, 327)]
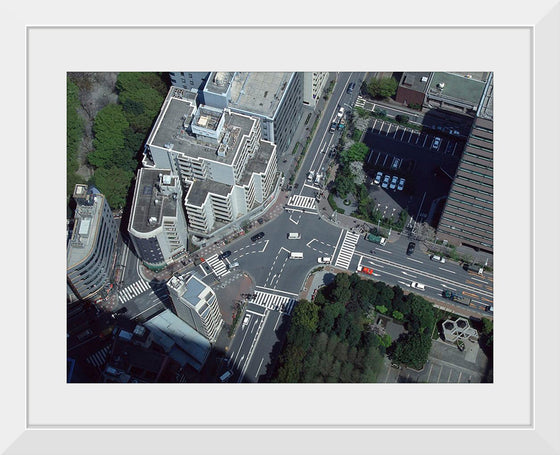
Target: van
[(296, 255), (294, 236), (224, 377)]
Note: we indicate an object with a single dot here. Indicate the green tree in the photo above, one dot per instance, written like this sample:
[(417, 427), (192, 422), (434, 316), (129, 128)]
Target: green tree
[(109, 141), (421, 313), (344, 184), (381, 309), (74, 135), (382, 88), (356, 152), (398, 315), (114, 184), (385, 340), (306, 315), (412, 349)]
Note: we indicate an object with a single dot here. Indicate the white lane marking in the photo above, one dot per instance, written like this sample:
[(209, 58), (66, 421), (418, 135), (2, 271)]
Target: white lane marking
[(448, 287), (277, 290), (264, 247), (480, 281), (415, 260), (149, 308), (277, 321), (406, 284), (408, 274), (376, 265), (425, 139), (385, 251), (445, 270), (255, 312), (260, 365)]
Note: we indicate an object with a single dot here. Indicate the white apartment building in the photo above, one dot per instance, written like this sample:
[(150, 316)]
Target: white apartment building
[(196, 304), (226, 168), (313, 84)]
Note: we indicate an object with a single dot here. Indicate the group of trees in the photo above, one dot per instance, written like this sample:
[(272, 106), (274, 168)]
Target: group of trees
[(332, 339), (119, 131), (382, 88), (74, 134)]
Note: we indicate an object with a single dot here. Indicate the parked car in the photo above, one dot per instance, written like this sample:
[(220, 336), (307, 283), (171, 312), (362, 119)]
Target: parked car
[(258, 236), (224, 255), (410, 248), (433, 257), (401, 184), (385, 183), (378, 178), (394, 181), (436, 143)]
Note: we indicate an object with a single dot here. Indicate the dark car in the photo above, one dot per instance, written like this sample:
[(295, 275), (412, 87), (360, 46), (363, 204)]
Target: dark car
[(351, 87), (224, 255), (410, 248), (258, 236), (120, 311), (260, 220)]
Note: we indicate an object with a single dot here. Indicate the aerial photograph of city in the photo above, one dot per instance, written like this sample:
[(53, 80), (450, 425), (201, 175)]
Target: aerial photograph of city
[(280, 227)]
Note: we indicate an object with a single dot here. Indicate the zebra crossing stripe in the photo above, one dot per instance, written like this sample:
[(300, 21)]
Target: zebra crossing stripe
[(347, 250), (274, 302)]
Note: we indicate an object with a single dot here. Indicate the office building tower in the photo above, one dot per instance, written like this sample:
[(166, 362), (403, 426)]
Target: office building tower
[(91, 249)]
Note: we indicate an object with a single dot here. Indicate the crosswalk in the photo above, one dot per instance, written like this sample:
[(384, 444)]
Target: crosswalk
[(217, 265), (133, 290), (98, 359), (347, 250), (304, 202), (274, 302)]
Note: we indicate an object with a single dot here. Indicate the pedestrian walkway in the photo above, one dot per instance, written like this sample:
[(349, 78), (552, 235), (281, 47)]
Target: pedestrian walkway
[(303, 202), (347, 250), (98, 359), (128, 293), (274, 302), (217, 265)]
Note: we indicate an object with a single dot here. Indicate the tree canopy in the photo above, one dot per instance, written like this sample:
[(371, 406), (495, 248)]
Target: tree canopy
[(382, 88)]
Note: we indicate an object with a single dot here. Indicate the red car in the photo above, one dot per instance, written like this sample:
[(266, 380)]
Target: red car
[(366, 270)]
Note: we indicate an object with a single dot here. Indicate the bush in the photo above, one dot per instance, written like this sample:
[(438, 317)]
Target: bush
[(402, 119), (356, 135)]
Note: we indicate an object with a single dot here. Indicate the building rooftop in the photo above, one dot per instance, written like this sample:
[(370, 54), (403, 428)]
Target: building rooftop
[(456, 87), (171, 333), (219, 81), (416, 81), (258, 162), (199, 190), (155, 197), (224, 130), (258, 92), (486, 108), (87, 218)]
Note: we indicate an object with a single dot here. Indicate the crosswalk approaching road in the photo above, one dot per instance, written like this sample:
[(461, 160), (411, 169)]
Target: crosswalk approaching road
[(304, 202), (217, 265), (132, 290), (98, 358), (347, 250), (274, 302)]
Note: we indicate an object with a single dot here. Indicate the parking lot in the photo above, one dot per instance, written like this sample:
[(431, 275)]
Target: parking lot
[(446, 364), (422, 140), (427, 169)]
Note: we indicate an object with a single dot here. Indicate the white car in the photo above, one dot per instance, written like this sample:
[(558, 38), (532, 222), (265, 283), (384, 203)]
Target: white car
[(435, 144), (401, 184), (394, 181), (418, 286), (385, 183), (378, 177), (433, 257), (324, 260), (246, 320)]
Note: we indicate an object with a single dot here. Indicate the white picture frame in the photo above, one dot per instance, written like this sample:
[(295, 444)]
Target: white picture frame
[(43, 414)]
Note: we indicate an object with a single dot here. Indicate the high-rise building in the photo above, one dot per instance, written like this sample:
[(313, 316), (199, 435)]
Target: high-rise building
[(468, 215), (90, 253), (276, 99), (157, 225), (193, 81), (227, 170), (196, 304), (313, 84)]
